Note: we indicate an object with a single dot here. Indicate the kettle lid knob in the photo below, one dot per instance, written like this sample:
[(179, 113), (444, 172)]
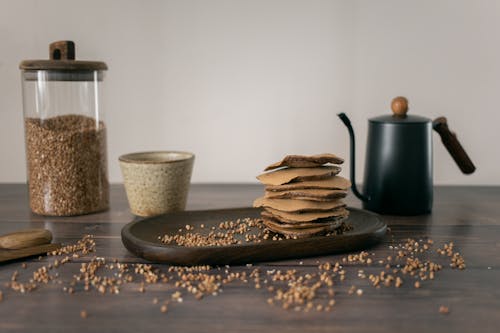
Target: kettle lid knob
[(399, 106)]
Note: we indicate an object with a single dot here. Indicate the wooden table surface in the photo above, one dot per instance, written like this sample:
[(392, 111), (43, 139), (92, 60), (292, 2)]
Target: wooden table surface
[(468, 216)]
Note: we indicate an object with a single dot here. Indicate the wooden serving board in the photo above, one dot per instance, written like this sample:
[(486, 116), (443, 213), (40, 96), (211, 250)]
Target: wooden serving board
[(141, 238)]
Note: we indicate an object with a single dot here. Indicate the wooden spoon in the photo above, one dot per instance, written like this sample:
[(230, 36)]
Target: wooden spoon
[(25, 238), (26, 243)]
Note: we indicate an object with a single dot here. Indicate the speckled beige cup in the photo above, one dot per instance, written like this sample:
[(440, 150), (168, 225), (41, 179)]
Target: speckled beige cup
[(157, 182)]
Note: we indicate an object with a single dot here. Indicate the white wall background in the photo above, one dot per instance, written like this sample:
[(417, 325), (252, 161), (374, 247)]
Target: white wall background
[(242, 83)]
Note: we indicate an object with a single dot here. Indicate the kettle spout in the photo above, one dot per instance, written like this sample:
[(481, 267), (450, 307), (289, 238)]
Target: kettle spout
[(354, 188)]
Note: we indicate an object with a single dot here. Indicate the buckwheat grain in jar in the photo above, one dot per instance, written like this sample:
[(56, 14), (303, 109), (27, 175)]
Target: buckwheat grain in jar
[(65, 133)]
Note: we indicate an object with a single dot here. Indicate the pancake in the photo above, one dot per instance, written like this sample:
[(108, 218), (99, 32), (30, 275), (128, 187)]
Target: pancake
[(298, 206), (307, 194), (301, 161), (300, 225), (299, 233), (331, 183), (284, 176), (285, 217)]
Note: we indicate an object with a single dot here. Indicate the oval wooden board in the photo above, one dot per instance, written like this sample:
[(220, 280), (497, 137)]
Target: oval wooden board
[(141, 238)]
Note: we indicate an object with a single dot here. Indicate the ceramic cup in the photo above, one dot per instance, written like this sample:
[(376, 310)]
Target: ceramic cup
[(157, 182)]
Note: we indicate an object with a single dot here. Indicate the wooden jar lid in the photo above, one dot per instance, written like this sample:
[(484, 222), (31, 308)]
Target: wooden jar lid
[(62, 58)]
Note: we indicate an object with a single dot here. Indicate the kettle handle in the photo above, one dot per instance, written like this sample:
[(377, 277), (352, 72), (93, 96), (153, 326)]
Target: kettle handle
[(354, 188), (453, 146)]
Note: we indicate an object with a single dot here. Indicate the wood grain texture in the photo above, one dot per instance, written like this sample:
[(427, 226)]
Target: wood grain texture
[(25, 238), (453, 146), (468, 216), (38, 250)]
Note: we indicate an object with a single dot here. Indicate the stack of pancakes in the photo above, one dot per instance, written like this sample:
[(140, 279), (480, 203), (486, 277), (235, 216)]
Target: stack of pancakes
[(303, 195)]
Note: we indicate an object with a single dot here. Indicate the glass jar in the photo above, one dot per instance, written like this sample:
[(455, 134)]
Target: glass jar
[(65, 134)]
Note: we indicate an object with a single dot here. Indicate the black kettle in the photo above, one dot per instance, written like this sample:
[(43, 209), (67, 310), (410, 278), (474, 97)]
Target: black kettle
[(398, 168)]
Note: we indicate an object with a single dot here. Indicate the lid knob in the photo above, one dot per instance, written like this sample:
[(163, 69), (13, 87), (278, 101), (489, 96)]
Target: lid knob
[(399, 106), (62, 50)]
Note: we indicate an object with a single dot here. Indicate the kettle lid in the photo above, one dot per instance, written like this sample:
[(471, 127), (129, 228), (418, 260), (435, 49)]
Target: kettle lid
[(399, 106)]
